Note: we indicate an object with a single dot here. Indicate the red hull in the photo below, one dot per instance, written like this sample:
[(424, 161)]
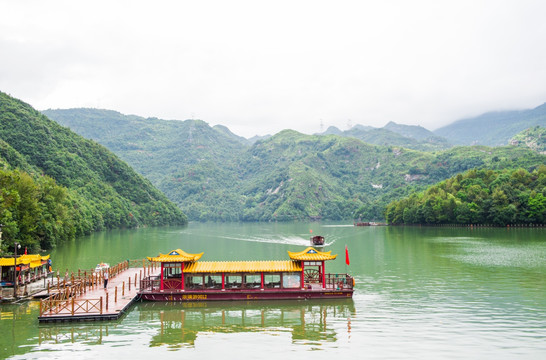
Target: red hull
[(245, 295)]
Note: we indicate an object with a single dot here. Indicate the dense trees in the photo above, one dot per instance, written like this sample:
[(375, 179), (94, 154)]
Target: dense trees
[(214, 175), (477, 197), (37, 213), (55, 185)]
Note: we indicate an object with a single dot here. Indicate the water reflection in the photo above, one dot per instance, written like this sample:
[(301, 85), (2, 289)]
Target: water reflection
[(309, 321), (62, 334), (179, 325)]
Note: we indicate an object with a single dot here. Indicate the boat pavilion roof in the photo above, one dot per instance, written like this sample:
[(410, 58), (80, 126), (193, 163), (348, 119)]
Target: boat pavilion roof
[(34, 260), (193, 266), (243, 266), (176, 256), (311, 254)]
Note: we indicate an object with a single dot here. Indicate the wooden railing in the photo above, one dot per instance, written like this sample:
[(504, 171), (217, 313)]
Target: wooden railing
[(338, 281), (150, 283), (71, 306), (62, 295)]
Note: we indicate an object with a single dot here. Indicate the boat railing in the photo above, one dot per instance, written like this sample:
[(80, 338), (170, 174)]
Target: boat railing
[(338, 281), (150, 283), (331, 281)]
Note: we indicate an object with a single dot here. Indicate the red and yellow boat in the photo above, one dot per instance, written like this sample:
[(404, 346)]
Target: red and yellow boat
[(184, 277)]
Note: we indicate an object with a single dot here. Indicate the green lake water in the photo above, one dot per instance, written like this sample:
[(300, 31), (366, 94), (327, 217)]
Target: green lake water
[(421, 293)]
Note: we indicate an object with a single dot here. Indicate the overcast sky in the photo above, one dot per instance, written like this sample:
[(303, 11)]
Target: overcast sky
[(258, 67)]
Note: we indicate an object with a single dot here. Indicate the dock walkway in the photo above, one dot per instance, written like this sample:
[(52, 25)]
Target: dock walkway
[(92, 302)]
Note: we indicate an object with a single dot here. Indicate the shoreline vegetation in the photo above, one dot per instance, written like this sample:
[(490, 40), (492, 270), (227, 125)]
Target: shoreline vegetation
[(498, 198), (55, 185)]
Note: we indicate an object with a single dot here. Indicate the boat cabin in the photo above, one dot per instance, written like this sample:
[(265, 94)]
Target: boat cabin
[(183, 272)]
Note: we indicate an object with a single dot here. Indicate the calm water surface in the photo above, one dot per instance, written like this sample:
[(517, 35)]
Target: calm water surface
[(421, 293)]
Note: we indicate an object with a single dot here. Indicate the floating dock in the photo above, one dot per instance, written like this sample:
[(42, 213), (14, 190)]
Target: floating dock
[(87, 300)]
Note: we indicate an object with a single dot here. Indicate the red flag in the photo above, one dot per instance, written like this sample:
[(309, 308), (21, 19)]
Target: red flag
[(347, 256), (25, 250)]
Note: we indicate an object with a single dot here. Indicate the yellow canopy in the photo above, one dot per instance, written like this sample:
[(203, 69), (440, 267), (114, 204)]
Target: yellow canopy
[(311, 254), (176, 256), (243, 266), (33, 259)]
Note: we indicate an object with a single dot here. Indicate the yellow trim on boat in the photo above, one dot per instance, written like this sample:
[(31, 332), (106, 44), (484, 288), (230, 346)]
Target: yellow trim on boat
[(243, 266), (176, 256), (311, 254)]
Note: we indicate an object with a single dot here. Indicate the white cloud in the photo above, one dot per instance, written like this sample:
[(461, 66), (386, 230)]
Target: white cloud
[(259, 67)]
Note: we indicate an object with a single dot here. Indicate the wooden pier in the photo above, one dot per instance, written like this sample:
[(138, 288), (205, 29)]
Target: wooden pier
[(85, 298)]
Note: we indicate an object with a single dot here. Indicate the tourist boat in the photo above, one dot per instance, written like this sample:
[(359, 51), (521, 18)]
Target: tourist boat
[(184, 277), (317, 240)]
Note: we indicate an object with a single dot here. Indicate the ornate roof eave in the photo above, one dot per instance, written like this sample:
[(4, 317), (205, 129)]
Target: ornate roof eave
[(311, 254), (176, 256)]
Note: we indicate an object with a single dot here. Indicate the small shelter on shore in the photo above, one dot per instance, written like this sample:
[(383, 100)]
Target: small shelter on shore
[(25, 269)]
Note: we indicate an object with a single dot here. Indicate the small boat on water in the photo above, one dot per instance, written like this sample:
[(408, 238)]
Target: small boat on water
[(317, 240), (101, 267), (184, 278), (369, 224)]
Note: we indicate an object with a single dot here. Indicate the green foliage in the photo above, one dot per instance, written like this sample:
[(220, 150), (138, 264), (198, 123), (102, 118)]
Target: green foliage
[(215, 176), (36, 213), (71, 186), (533, 138), (400, 135), (499, 197)]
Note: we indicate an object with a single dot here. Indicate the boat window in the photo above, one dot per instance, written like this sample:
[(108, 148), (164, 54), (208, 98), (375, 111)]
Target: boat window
[(234, 281), (291, 280), (194, 281), (252, 281), (172, 270), (213, 281), (272, 280)]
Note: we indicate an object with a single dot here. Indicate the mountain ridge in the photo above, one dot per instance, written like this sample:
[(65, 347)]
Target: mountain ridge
[(291, 175), (103, 191)]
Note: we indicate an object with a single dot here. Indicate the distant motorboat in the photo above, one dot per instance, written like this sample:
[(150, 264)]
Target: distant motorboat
[(317, 240), (369, 224)]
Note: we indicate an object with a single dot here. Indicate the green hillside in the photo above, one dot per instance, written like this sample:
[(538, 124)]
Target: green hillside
[(494, 128), (217, 177), (296, 176), (500, 198), (392, 134), (99, 190), (155, 148), (419, 133), (533, 138)]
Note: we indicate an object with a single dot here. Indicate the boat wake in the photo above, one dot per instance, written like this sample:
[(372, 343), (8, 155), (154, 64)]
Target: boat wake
[(277, 239)]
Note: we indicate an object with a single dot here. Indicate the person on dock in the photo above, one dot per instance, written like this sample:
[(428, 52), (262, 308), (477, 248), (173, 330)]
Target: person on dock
[(105, 277)]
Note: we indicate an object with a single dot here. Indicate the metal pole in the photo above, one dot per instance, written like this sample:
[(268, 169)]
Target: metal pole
[(15, 272)]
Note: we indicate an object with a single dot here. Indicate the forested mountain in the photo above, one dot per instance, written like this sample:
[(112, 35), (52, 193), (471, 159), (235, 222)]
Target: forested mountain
[(533, 138), (287, 176), (416, 132), (499, 198), (392, 134), (56, 185), (155, 148), (493, 128)]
